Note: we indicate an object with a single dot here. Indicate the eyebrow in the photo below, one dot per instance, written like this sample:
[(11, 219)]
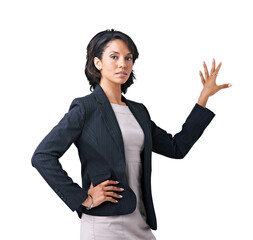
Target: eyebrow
[(118, 52)]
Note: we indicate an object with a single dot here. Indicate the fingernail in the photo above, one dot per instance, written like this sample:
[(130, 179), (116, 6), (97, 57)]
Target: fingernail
[(122, 189), (116, 201), (120, 196), (229, 85), (117, 182)]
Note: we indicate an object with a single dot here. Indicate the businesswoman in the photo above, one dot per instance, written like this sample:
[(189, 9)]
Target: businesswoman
[(115, 137)]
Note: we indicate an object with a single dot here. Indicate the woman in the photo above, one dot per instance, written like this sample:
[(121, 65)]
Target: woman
[(115, 137)]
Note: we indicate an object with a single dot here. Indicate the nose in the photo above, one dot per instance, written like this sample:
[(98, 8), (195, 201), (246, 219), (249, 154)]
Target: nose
[(122, 62)]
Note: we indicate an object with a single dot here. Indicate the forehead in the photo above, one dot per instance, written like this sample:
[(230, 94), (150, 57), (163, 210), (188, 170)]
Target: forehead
[(117, 45)]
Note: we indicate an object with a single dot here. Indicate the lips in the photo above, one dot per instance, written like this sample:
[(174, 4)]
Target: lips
[(121, 73)]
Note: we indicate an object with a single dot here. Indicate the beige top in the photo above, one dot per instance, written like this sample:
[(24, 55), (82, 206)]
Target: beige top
[(133, 138)]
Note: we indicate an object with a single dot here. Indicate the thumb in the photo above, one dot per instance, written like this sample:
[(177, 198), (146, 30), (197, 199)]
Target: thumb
[(226, 85)]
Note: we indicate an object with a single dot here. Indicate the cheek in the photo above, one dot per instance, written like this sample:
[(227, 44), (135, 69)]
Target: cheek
[(130, 66), (110, 65)]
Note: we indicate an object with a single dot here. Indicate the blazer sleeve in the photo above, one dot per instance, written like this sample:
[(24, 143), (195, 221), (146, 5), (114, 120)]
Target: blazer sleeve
[(46, 157), (178, 146)]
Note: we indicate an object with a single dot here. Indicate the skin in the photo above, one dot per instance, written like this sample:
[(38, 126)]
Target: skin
[(209, 83), (115, 58)]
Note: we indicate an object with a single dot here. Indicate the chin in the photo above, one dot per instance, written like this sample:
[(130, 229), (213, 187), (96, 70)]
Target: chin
[(120, 81)]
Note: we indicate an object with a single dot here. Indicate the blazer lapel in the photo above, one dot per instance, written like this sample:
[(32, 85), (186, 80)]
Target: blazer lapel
[(111, 120)]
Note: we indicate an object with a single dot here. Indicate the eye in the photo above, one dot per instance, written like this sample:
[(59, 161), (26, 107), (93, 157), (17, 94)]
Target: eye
[(129, 58), (113, 57)]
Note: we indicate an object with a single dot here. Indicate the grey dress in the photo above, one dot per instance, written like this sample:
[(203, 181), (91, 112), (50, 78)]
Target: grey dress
[(131, 226)]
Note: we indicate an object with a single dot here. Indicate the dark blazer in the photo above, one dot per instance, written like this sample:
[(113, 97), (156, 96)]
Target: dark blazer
[(92, 126)]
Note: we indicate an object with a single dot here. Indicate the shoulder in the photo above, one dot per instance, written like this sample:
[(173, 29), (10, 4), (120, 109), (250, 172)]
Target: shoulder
[(140, 107), (83, 103)]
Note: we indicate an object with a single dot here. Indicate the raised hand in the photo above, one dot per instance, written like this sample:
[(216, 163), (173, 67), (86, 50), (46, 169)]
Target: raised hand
[(209, 83)]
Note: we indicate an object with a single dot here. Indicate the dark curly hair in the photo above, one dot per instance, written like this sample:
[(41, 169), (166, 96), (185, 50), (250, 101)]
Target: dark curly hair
[(96, 48)]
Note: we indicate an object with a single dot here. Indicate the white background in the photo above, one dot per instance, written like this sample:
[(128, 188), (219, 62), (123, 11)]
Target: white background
[(208, 194)]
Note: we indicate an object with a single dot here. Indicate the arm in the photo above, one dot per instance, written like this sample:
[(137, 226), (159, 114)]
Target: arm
[(46, 157), (178, 146)]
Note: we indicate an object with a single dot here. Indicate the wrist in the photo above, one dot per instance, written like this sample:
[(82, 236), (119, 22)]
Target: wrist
[(87, 202), (91, 206), (205, 94), (203, 98)]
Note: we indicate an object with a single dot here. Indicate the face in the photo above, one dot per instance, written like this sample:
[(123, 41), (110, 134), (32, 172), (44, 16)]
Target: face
[(116, 63)]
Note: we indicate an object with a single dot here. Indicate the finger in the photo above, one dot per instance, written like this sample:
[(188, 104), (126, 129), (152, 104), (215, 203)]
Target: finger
[(226, 85), (213, 66), (206, 70), (112, 188), (113, 194), (107, 182), (202, 78), (110, 199), (218, 68)]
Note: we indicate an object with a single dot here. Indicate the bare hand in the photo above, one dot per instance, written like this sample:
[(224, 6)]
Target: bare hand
[(103, 192), (209, 83)]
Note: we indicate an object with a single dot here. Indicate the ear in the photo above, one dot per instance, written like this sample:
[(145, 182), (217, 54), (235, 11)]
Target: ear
[(97, 63)]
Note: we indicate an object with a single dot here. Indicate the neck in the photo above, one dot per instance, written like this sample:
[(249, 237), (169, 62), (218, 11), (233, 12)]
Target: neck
[(112, 91)]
